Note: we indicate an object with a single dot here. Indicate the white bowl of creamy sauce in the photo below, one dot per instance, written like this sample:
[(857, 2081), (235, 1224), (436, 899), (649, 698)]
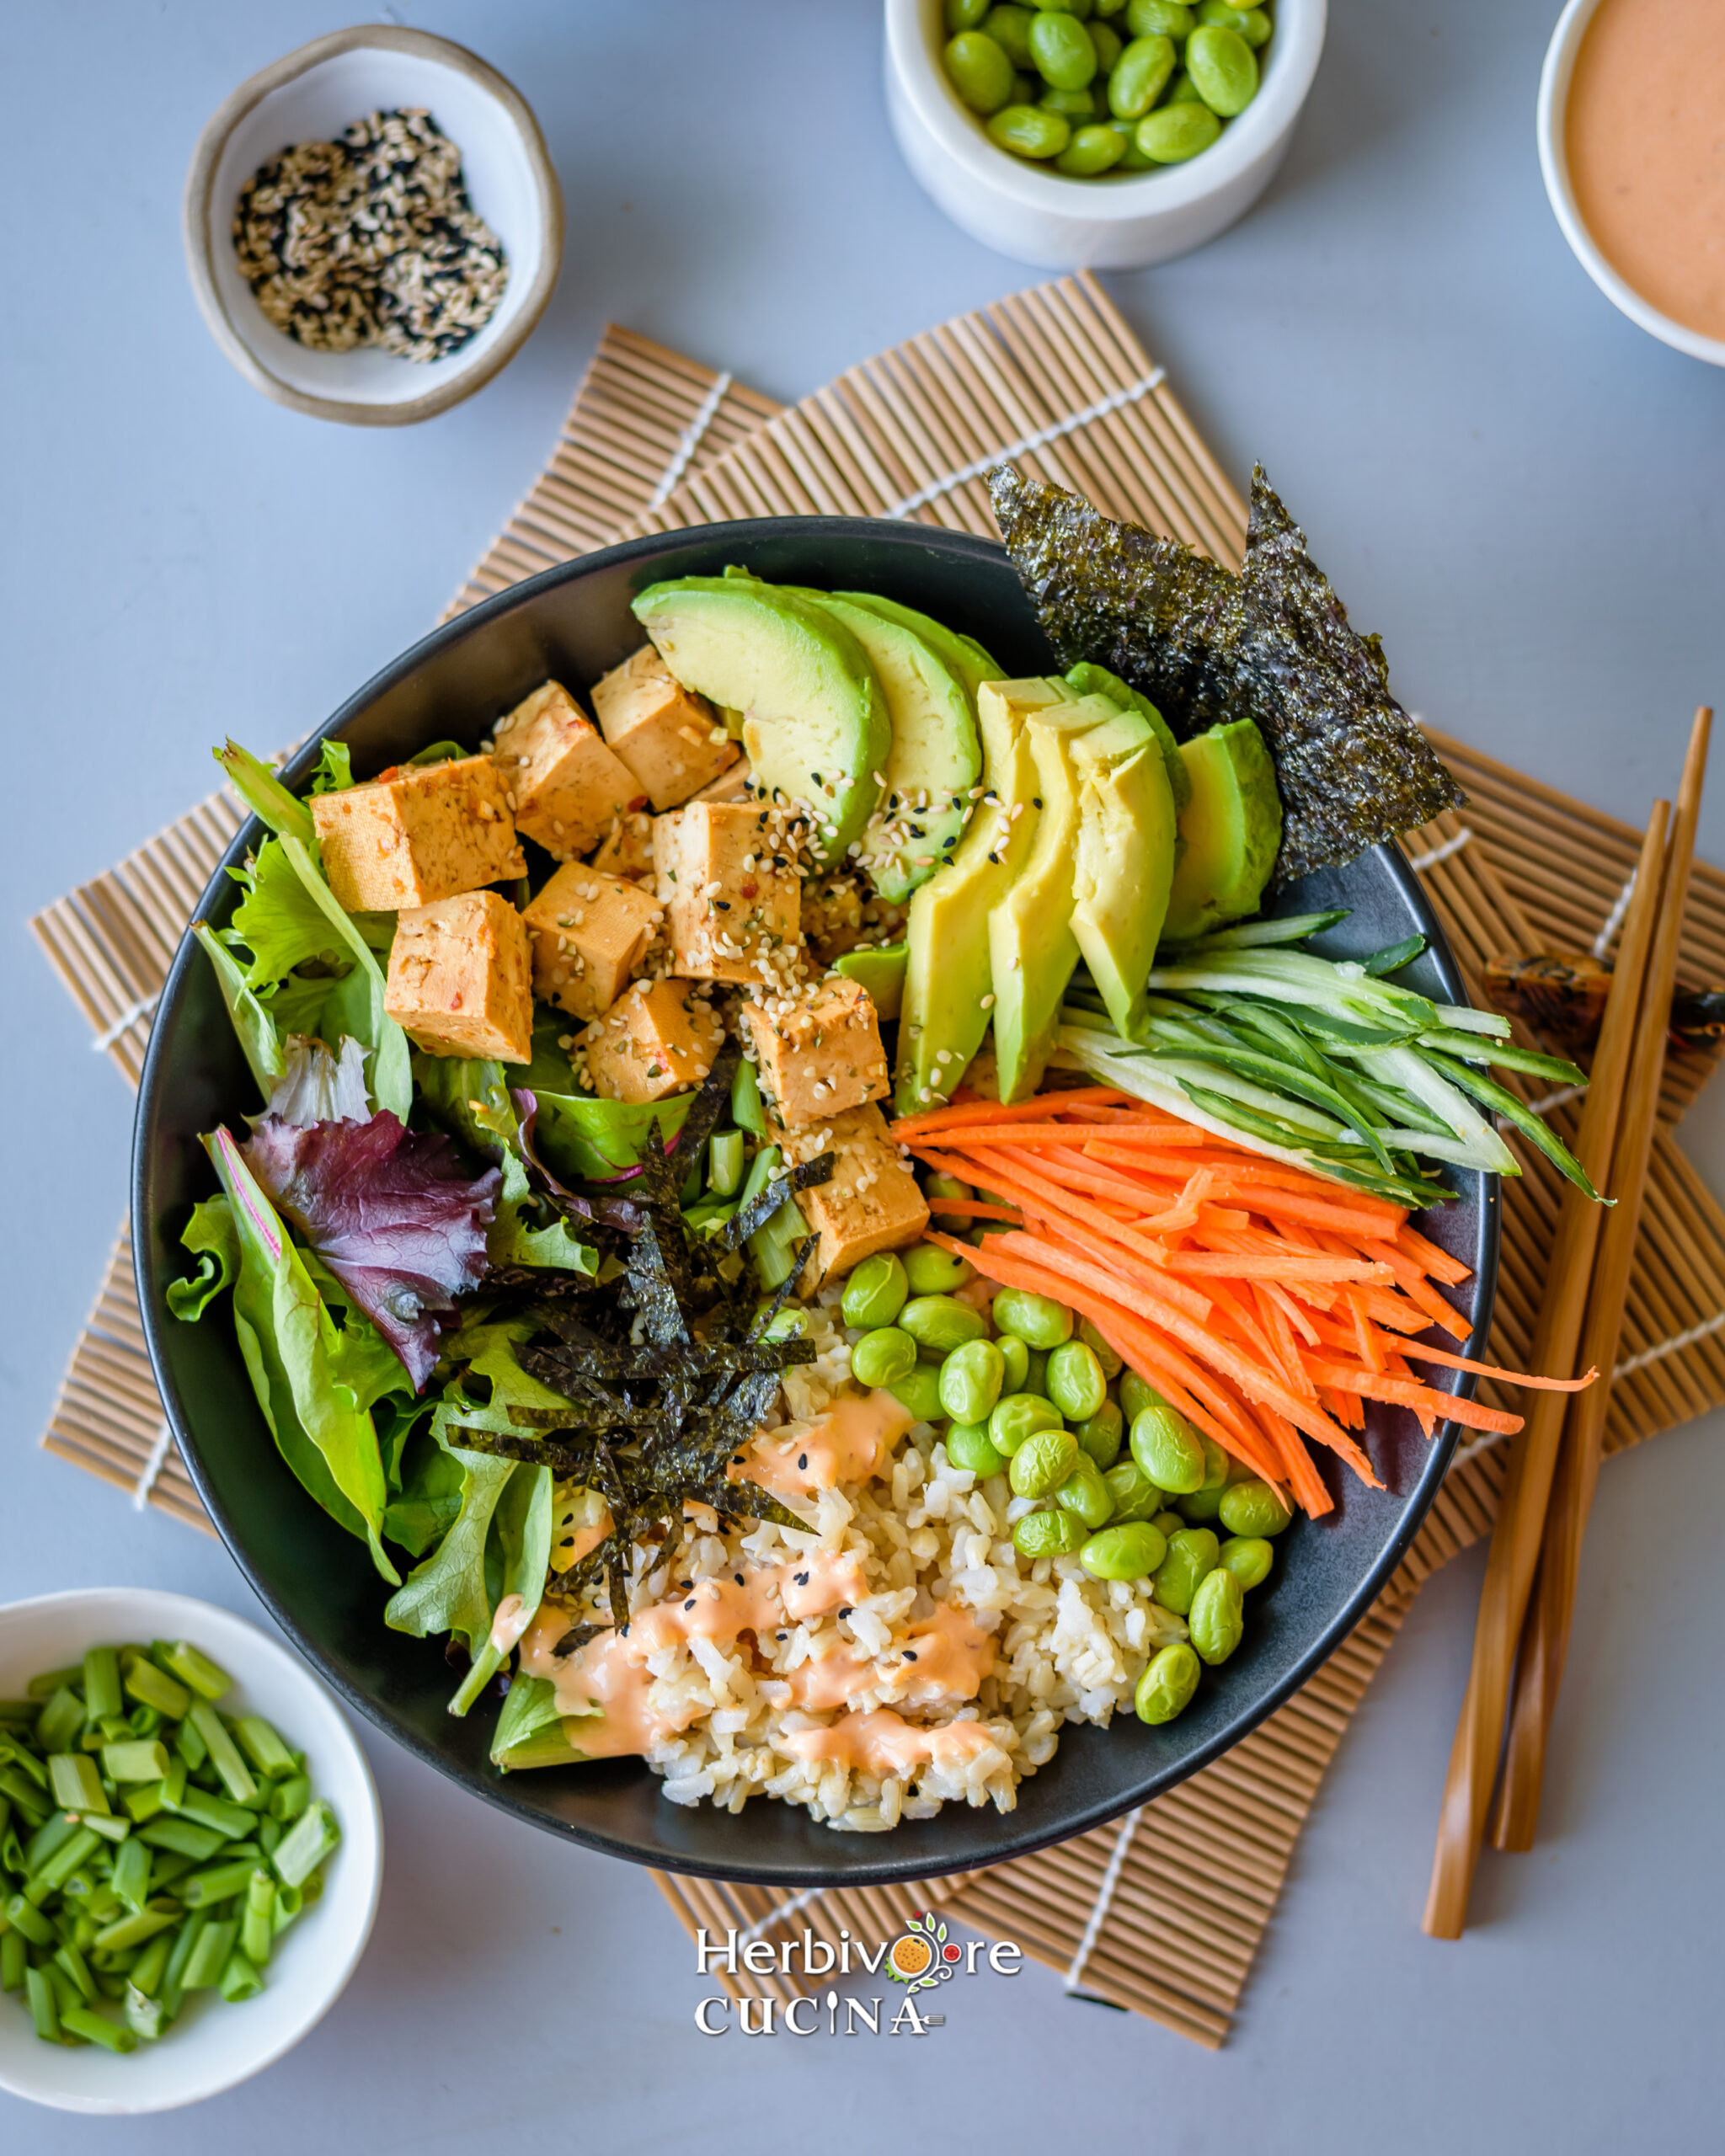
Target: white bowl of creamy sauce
[(1632, 138)]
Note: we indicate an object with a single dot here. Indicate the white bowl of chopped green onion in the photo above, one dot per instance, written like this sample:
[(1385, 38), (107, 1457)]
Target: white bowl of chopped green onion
[(190, 1850), (373, 226)]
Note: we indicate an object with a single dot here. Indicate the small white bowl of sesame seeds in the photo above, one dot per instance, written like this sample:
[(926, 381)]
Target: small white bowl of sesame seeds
[(444, 181)]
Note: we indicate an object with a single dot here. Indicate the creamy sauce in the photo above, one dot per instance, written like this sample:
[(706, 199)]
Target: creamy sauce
[(852, 1443), (511, 1620), (885, 1743), (1645, 136)]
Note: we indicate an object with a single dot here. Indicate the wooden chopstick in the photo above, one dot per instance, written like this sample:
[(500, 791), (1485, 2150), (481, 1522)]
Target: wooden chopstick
[(1544, 1639), (1521, 1512)]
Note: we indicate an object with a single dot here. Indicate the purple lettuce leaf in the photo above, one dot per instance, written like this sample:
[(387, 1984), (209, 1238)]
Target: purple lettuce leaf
[(389, 1212)]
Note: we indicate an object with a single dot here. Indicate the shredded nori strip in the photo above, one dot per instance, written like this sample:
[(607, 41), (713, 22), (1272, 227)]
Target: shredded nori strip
[(1272, 645), (754, 1216)]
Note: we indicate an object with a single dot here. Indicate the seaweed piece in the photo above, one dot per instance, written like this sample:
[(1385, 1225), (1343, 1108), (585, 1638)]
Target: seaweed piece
[(754, 1216), (1273, 644)]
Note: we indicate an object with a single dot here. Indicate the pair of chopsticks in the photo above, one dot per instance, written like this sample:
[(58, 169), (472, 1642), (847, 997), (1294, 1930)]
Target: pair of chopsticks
[(1528, 1596)]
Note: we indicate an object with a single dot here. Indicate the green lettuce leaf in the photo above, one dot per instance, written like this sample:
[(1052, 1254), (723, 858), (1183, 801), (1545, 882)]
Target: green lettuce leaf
[(280, 922), (252, 1025), (211, 1236), (447, 1593), (335, 769), (529, 1731), (389, 1060), (266, 796), (430, 1498), (471, 1098), (522, 1532)]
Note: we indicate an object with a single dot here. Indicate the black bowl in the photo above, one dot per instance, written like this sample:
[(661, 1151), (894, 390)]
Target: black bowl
[(573, 623)]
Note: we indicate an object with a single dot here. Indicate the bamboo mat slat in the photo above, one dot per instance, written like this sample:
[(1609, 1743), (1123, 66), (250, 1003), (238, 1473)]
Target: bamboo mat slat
[(1162, 1913)]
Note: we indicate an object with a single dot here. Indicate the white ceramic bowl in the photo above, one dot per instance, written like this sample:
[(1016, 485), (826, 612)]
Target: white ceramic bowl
[(311, 96), (1554, 164), (1124, 222), (213, 2044)]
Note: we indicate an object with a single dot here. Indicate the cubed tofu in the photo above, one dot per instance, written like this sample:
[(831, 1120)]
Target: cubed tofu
[(589, 933), (627, 848), (669, 737), (817, 1048), (731, 914), (460, 982), (872, 1202), (418, 834), (567, 785), (656, 1039), (731, 784)]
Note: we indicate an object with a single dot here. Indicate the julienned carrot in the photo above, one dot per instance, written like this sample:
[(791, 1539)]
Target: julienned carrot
[(978, 1110), (1416, 1353), (1007, 1133), (1409, 1392), (1261, 1265), (1283, 1196), (974, 1208), (1437, 1262)]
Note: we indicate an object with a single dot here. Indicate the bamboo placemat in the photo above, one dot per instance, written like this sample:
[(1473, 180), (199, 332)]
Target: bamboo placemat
[(1163, 1912)]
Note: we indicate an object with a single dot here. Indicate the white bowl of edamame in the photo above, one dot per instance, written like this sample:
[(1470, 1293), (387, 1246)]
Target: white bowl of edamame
[(219, 2035), (1118, 219)]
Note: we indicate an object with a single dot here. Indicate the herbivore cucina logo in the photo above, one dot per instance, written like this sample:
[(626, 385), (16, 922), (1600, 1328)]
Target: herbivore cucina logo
[(920, 1959)]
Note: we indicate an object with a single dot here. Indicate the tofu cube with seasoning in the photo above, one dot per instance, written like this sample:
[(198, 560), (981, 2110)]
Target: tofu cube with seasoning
[(589, 934), (872, 1202), (817, 1048), (417, 834), (566, 784), (670, 738), (627, 848), (730, 913), (460, 982), (658, 1039)]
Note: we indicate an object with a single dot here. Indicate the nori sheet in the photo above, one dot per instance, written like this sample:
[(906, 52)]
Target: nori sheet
[(1273, 644)]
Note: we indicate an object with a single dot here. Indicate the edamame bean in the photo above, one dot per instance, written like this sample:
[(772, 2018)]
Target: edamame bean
[(1174, 132), (933, 1271), (1204, 1503), (1081, 8), (1042, 1463), (979, 70), (942, 1323), (883, 1356), (875, 1292), (1252, 23), (970, 1381), (934, 1190), (967, 1447), (1136, 1496), (1168, 1449), (1105, 8), (1248, 1558), (1167, 1686), (1017, 1357), (966, 14), (1191, 1557), (1139, 77), (1253, 1508), (1019, 1417), (1037, 1320), (1111, 1363), (1217, 1466), (1036, 1373), (1051, 1534), (1218, 1618), (1199, 1507), (1027, 131), (1182, 90), (1129, 1550), (1076, 1384), (1157, 18), (1170, 1522), (1136, 1394), (918, 1392), (1101, 1434), (1109, 45), (1224, 66), (1085, 1493), (1133, 159), (1074, 107), (1009, 26), (1060, 47)]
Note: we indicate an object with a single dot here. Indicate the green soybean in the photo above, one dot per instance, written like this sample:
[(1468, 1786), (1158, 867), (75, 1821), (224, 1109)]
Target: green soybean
[(1103, 1433), (1017, 1357), (1052, 1534), (1140, 76), (970, 1381), (1252, 24), (1042, 1463), (1074, 1379), (1170, 1522), (1218, 1618), (1027, 131), (1174, 132), (1111, 1363), (1136, 1496), (883, 1356), (918, 1392), (1074, 107), (1224, 66), (1253, 1508), (933, 1271), (964, 14), (979, 70), (1136, 1394), (1182, 90), (1009, 26), (1109, 45), (1248, 1557), (1060, 47), (1128, 1551), (936, 1187), (876, 1291), (1085, 1494), (1019, 1417), (1036, 1320), (1199, 1507), (1035, 1371), (1167, 1686), (967, 1447), (1168, 1449), (1157, 18), (1132, 159), (1191, 1555), (942, 1323)]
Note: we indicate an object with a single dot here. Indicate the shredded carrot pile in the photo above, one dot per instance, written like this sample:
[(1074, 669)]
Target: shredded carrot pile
[(1263, 1303)]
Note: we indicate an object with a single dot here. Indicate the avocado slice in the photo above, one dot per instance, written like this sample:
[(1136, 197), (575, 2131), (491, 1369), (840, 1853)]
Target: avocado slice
[(814, 721), (1127, 845), (881, 970), (947, 996), (1092, 681), (1232, 828), (936, 757), (962, 654)]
